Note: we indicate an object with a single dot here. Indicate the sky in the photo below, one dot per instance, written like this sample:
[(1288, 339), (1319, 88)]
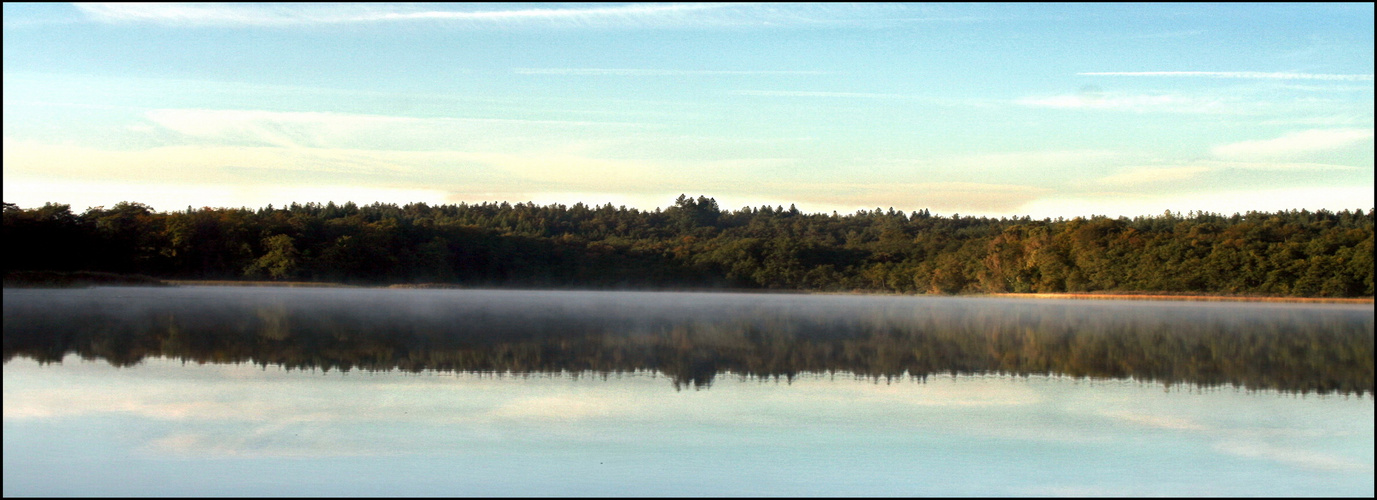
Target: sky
[(1048, 110)]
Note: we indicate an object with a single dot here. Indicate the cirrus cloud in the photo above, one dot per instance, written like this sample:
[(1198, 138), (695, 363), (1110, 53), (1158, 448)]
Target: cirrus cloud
[(634, 15), (1237, 74), (197, 14), (1167, 103), (1155, 174), (1296, 143)]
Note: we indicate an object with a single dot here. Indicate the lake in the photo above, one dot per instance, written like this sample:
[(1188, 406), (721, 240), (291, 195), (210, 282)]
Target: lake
[(386, 392)]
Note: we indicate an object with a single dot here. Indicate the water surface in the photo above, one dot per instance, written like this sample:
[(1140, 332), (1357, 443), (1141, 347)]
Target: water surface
[(273, 391)]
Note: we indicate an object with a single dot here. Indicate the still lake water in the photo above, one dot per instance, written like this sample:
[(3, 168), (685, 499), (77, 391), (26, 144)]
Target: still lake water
[(281, 391)]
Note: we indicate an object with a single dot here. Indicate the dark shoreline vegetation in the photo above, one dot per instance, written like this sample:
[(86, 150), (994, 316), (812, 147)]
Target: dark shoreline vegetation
[(696, 245), (78, 279), (692, 338)]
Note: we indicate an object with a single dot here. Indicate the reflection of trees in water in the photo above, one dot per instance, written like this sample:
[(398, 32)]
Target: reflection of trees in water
[(1290, 349)]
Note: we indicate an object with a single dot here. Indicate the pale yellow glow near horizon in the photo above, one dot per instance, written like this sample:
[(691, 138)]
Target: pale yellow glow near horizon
[(174, 177), (167, 197), (82, 195)]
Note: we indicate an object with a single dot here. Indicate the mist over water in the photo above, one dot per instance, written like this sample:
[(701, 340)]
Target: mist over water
[(385, 392), (694, 337)]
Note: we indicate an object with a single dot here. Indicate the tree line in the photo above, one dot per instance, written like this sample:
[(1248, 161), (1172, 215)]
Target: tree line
[(696, 244)]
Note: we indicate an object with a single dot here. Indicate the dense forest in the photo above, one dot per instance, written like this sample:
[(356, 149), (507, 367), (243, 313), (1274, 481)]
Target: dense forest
[(696, 244)]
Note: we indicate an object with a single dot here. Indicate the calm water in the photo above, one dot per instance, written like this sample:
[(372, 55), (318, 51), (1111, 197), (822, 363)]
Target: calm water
[(276, 391)]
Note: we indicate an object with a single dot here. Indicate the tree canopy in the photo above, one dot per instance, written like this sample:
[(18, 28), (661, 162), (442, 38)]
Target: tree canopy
[(696, 244)]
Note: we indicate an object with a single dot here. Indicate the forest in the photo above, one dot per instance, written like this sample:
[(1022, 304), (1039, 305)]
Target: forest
[(695, 244)]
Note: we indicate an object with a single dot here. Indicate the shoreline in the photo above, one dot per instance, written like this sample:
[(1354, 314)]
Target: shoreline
[(289, 284), (1186, 297), (1067, 295), (84, 279)]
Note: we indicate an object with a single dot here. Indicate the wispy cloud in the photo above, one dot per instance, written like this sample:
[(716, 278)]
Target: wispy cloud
[(1160, 174), (1237, 74), (1304, 142), (653, 72), (980, 103), (626, 15), (297, 14), (1167, 103), (809, 93), (1321, 120), (324, 129), (28, 18), (1326, 88), (287, 129), (1038, 160), (1168, 34), (1153, 175), (1278, 166), (490, 169)]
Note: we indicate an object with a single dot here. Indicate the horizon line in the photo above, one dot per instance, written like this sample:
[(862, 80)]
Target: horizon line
[(1189, 213)]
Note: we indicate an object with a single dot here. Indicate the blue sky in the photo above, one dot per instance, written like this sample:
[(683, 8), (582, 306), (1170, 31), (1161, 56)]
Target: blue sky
[(985, 109)]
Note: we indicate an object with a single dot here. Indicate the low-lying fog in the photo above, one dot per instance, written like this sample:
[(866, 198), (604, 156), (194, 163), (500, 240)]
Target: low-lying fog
[(693, 336)]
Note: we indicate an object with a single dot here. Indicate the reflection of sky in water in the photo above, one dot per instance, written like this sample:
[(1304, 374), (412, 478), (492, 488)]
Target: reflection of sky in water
[(86, 428)]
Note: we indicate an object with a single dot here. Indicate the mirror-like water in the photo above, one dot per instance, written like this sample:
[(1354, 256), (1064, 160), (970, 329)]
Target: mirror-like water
[(691, 337), (252, 391)]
